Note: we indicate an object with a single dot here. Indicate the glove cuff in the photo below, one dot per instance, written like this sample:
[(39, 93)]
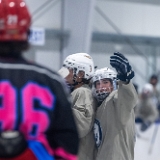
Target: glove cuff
[(126, 77)]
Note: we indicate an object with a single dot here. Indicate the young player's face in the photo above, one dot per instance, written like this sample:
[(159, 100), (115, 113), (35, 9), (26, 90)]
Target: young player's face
[(69, 78), (154, 81), (104, 85)]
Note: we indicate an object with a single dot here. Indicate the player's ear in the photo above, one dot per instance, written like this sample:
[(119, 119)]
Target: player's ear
[(81, 74)]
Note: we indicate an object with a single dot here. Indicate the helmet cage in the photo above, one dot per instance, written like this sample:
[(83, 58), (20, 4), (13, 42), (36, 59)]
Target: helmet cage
[(104, 73), (101, 95)]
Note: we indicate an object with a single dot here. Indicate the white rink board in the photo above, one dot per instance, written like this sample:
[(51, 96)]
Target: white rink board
[(145, 141)]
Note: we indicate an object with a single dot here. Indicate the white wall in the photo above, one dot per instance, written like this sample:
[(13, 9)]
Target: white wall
[(130, 18), (48, 16)]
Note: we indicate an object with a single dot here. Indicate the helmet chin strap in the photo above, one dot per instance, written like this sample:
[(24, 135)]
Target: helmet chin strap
[(72, 86), (101, 95), (74, 79), (76, 83)]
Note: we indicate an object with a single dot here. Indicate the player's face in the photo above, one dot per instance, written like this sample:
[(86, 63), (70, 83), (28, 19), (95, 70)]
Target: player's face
[(154, 81), (104, 85), (69, 78), (79, 76)]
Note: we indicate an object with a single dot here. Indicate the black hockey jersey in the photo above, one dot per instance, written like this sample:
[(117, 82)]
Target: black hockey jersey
[(35, 101)]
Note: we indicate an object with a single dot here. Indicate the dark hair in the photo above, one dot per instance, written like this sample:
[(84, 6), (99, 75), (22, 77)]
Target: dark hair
[(109, 79), (13, 48), (154, 76), (86, 81)]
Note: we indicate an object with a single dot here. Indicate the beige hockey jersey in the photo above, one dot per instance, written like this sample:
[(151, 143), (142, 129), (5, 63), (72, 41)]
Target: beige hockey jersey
[(114, 126), (146, 109), (84, 113)]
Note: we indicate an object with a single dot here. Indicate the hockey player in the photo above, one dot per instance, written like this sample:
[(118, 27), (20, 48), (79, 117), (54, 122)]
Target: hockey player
[(36, 120), (146, 109), (114, 126), (77, 70), (156, 94)]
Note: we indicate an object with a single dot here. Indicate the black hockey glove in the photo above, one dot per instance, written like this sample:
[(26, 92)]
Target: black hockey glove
[(122, 66)]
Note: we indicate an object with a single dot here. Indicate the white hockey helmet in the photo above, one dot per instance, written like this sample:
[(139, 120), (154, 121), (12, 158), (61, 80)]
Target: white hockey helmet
[(80, 62), (103, 73), (147, 89)]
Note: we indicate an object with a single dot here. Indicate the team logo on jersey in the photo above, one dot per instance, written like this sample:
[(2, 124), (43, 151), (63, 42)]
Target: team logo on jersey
[(97, 133)]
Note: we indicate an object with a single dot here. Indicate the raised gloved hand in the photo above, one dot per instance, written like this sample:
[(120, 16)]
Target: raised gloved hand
[(122, 66)]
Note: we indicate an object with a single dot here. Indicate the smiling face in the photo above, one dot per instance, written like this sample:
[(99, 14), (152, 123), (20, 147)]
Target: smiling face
[(103, 88), (154, 81), (104, 85)]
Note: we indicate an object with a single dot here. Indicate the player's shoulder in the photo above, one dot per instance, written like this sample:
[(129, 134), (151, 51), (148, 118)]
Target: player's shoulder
[(43, 70), (113, 96), (83, 93), (39, 66), (84, 89)]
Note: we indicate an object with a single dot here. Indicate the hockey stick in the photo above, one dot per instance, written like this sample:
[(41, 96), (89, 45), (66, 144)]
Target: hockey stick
[(153, 139), (138, 135)]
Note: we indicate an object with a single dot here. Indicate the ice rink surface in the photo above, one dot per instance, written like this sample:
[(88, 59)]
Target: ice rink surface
[(147, 146)]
